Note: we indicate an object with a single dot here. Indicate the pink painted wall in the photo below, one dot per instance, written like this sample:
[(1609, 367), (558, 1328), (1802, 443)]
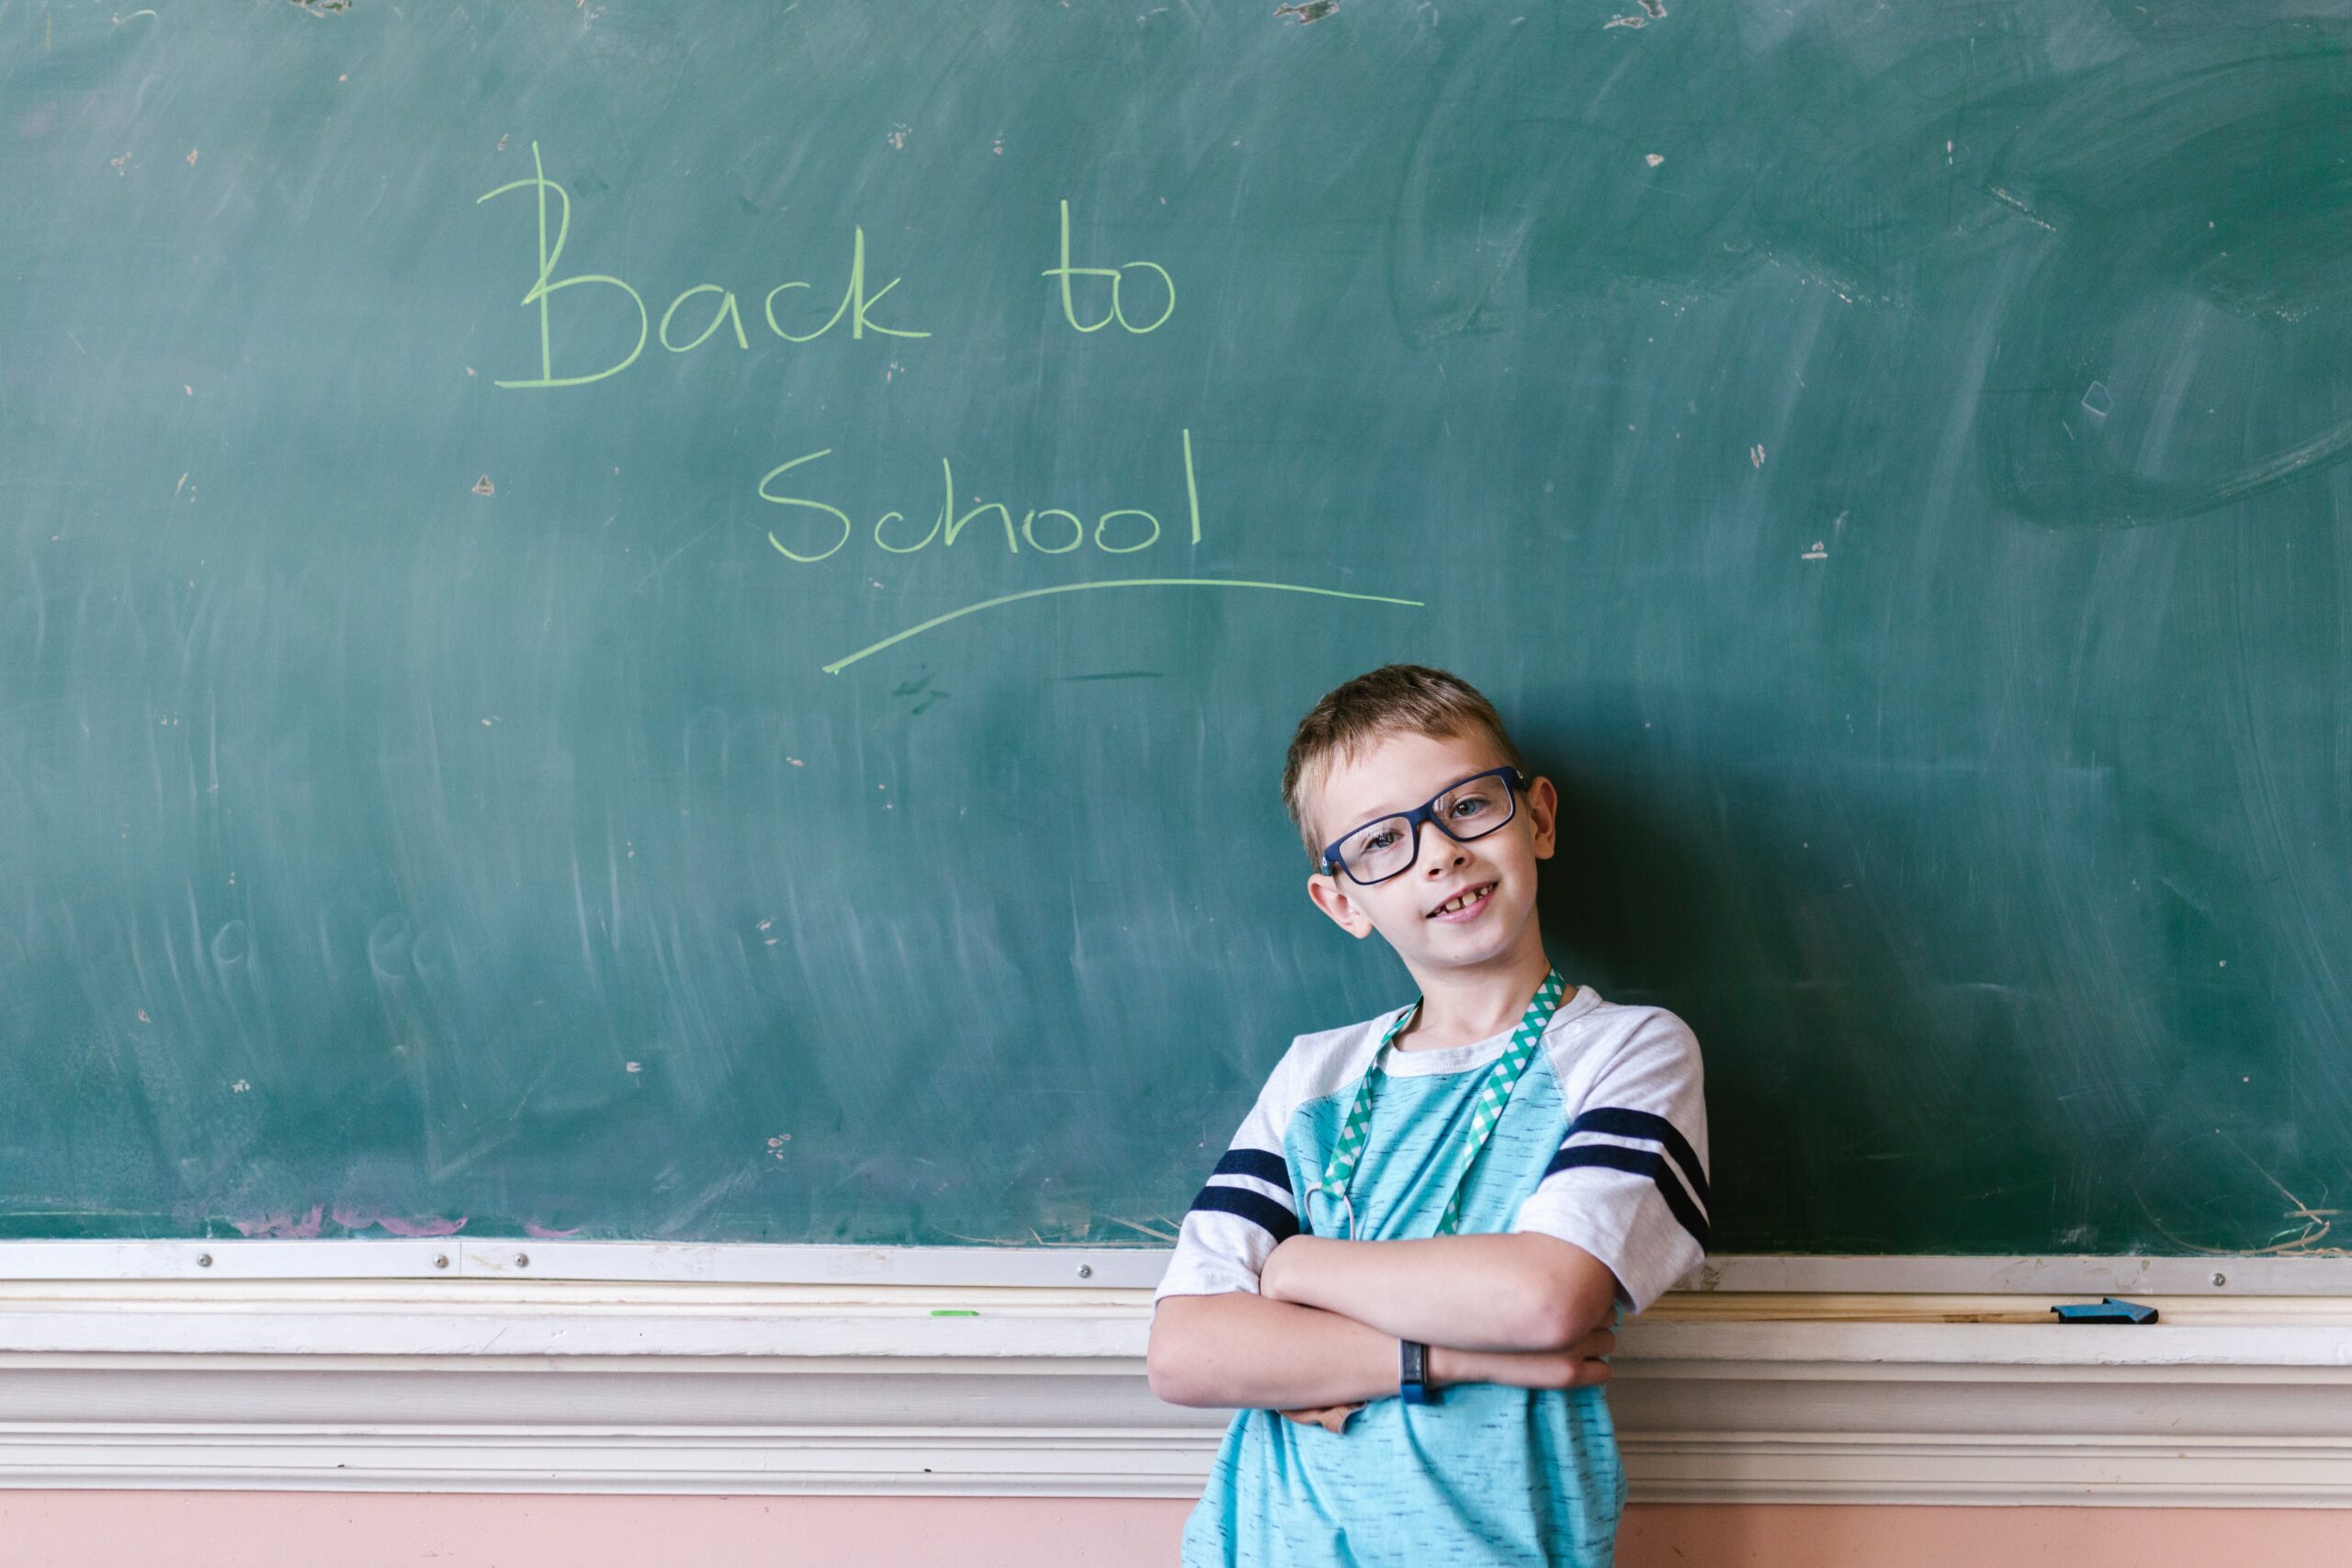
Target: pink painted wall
[(308, 1529)]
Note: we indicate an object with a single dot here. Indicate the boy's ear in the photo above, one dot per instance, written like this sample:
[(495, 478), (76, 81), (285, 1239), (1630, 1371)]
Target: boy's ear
[(1330, 895), (1544, 811)]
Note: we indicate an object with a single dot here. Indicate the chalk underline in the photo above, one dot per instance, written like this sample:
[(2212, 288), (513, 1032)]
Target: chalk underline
[(838, 665)]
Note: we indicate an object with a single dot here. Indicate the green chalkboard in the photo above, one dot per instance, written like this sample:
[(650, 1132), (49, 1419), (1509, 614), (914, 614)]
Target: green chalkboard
[(677, 620)]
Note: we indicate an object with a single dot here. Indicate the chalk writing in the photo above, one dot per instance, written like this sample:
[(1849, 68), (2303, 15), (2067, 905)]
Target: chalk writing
[(1117, 276), (818, 530), (547, 285), (1121, 531), (724, 310), (838, 665), (727, 312), (855, 300)]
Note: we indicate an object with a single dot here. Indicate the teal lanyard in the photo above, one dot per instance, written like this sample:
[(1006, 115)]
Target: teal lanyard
[(1493, 1095)]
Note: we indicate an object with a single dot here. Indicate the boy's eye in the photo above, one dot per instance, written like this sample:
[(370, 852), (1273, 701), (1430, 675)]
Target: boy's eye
[(1373, 842), (1468, 806)]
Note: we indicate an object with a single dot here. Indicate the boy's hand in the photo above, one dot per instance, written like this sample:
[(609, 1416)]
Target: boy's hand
[(1332, 1419), (1269, 1274), (1525, 1292), (1578, 1366)]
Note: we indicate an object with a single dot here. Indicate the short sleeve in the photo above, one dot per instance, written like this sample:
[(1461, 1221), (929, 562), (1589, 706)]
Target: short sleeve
[(1629, 1182), (1245, 1210)]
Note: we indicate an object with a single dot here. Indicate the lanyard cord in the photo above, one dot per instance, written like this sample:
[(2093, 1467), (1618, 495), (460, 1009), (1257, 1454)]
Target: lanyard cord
[(1347, 1152)]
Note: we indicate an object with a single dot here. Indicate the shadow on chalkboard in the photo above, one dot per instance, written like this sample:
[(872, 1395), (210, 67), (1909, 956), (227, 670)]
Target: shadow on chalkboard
[(1886, 1039), (1651, 905), (1944, 1002), (1642, 913)]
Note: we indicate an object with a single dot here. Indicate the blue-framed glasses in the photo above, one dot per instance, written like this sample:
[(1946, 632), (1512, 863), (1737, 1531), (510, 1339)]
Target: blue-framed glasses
[(1466, 809)]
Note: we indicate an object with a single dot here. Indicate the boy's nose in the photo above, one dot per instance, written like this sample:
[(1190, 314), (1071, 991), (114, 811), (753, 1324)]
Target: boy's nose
[(1440, 854)]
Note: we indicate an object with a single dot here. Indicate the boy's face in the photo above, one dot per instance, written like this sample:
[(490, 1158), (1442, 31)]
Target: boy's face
[(1396, 773)]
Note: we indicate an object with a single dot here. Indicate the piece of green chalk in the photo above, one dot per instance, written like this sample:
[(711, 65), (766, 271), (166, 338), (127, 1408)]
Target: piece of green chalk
[(954, 1312)]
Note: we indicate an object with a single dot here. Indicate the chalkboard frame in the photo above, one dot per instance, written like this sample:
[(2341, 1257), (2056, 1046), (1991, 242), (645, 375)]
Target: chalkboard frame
[(669, 1263)]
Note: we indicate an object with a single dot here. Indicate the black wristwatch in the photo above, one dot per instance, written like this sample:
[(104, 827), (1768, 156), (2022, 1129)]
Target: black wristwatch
[(1413, 1372)]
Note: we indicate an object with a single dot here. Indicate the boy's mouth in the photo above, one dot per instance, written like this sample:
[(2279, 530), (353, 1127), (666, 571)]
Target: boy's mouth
[(1463, 905)]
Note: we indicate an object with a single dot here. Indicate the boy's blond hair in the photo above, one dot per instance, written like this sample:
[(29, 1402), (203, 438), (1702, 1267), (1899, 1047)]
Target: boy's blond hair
[(1395, 699)]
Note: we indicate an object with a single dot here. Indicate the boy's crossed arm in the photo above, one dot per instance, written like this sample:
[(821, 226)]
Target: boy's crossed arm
[(1523, 1309), (1519, 1292)]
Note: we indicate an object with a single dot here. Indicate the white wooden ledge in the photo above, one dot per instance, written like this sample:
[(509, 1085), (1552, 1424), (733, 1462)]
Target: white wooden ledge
[(483, 1383)]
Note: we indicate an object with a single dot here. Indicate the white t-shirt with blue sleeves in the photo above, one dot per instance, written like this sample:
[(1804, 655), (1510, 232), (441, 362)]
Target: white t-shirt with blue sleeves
[(1603, 1145)]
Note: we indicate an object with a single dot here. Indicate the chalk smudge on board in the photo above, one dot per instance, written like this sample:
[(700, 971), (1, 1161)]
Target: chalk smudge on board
[(2316, 1222), (283, 1227), (395, 1224), (2011, 200)]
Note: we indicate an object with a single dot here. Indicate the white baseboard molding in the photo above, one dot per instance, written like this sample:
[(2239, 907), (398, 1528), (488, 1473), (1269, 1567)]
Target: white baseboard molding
[(500, 1385)]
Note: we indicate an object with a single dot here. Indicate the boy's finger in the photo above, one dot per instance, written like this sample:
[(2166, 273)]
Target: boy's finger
[(1331, 1417)]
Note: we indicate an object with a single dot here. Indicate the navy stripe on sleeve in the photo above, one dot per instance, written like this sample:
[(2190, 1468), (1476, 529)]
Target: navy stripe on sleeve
[(1252, 1205), (1618, 1123), (1261, 1163), (1637, 1162)]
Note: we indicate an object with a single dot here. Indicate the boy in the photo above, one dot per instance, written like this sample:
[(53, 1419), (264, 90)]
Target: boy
[(1416, 1246)]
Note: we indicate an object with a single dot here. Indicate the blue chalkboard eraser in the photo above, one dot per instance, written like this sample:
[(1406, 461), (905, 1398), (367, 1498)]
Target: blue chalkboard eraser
[(2110, 1309)]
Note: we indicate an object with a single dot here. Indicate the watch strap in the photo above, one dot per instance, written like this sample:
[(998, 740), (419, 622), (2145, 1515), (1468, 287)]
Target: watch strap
[(1413, 1372)]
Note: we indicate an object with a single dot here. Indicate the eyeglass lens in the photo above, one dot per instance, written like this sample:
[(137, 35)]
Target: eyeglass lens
[(1468, 811)]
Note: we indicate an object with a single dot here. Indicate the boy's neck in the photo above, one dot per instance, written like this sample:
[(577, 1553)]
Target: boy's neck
[(1462, 1006)]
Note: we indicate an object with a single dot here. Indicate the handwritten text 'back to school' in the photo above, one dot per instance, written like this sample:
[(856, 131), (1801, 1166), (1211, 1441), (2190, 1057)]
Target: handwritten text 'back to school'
[(1137, 296)]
